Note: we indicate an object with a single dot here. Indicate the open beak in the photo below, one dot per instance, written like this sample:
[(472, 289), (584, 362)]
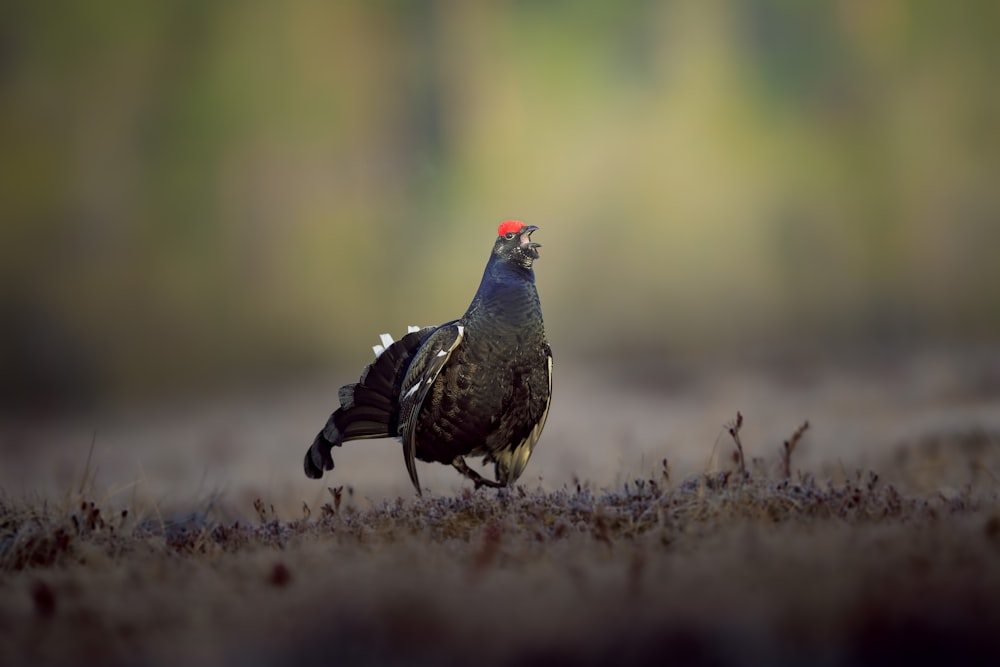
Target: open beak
[(526, 241)]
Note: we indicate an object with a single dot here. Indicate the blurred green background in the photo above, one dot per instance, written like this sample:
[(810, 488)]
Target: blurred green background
[(198, 193)]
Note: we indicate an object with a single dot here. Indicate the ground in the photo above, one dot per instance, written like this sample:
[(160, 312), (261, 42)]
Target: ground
[(189, 535)]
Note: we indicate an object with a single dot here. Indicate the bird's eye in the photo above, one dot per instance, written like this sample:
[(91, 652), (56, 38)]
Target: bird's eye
[(509, 235)]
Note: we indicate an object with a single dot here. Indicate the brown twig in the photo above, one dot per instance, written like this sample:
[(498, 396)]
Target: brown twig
[(734, 432), (789, 447)]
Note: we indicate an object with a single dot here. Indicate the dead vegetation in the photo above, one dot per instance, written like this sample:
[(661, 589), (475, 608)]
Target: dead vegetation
[(755, 564)]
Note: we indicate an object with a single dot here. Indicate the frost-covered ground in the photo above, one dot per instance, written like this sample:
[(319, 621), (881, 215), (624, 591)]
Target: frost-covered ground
[(191, 534)]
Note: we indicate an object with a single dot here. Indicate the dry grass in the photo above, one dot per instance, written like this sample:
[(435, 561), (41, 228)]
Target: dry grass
[(732, 567)]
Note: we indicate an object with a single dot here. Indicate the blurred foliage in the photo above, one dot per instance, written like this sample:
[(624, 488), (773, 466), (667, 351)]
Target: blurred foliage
[(194, 189)]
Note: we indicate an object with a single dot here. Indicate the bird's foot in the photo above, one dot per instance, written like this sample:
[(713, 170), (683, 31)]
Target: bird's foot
[(477, 479)]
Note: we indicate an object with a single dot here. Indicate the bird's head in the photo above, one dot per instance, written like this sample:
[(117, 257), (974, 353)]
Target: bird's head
[(514, 243)]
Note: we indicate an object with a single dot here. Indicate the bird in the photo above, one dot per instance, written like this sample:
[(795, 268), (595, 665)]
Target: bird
[(478, 386)]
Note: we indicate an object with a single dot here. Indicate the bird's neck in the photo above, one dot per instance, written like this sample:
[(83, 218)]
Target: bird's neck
[(507, 298), (506, 272)]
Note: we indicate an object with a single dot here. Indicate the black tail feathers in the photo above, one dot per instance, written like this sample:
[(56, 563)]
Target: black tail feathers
[(318, 457), (368, 409)]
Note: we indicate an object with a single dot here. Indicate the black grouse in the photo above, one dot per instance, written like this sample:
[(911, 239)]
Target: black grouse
[(480, 385)]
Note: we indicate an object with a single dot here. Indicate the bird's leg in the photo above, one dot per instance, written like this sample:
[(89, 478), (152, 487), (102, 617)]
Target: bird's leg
[(477, 479)]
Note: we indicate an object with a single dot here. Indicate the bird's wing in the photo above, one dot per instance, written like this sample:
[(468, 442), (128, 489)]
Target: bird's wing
[(423, 370), (522, 451)]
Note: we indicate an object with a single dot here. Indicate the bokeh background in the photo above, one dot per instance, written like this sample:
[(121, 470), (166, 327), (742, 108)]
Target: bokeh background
[(197, 196), (194, 190)]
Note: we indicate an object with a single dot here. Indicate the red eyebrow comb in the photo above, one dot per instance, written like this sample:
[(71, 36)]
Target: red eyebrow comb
[(508, 226)]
